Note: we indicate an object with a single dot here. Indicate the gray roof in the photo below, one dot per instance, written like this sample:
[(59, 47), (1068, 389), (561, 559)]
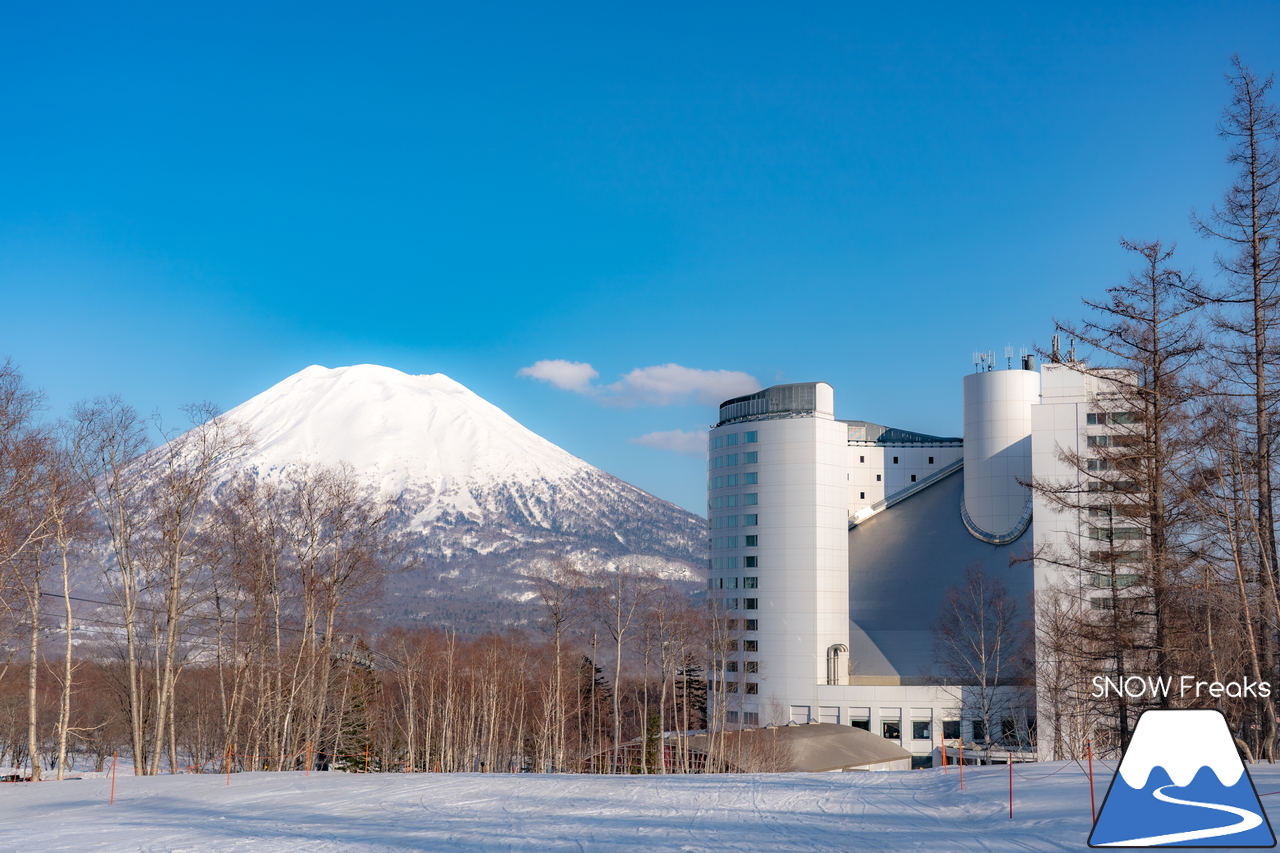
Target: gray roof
[(811, 748), (901, 562)]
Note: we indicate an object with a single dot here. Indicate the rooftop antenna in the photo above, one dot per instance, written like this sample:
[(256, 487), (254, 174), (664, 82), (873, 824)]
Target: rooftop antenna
[(991, 359), (977, 360), (1071, 352), (1056, 349), (1008, 356)]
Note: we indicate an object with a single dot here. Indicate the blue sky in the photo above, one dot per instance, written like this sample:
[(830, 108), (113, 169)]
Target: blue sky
[(201, 199)]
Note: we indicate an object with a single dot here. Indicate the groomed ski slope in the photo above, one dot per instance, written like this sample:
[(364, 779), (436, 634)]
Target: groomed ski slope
[(468, 813)]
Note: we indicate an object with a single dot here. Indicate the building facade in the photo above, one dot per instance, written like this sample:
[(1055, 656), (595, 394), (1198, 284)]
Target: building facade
[(833, 544)]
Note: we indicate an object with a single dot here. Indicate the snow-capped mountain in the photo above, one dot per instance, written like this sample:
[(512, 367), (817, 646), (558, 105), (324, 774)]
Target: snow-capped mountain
[(481, 497)]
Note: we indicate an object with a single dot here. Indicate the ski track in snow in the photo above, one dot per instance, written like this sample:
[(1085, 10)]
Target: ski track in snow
[(474, 813)]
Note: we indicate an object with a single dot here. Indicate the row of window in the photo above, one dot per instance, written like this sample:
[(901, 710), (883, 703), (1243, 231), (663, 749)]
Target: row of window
[(747, 625), (749, 687), (719, 542), (732, 583), (749, 666), (749, 718), (747, 603), (1116, 534), (895, 460), (747, 645), (729, 481), (1113, 440), (731, 439), (1118, 556), (722, 501), (1105, 418), (1114, 486), (751, 457), (1104, 581), (732, 521)]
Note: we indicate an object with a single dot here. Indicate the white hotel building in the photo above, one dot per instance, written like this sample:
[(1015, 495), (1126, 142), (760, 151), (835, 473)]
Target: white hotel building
[(833, 542)]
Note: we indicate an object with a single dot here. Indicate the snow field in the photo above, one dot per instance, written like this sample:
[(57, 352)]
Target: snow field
[(467, 813)]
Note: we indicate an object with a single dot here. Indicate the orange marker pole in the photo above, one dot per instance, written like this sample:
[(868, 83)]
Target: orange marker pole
[(228, 764), (112, 802), (1010, 784), (1093, 810), (961, 764), (366, 758), (308, 772), (945, 772)]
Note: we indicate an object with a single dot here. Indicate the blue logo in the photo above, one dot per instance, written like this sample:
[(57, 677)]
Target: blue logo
[(1181, 783)]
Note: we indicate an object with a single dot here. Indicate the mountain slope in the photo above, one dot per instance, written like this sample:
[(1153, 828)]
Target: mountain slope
[(481, 498)]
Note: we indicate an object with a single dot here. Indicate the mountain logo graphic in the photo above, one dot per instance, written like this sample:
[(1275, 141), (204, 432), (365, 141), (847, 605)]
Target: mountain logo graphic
[(1181, 783)]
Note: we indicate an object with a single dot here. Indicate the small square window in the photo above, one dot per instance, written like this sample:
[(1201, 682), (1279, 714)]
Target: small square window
[(751, 541), (749, 583), (913, 478), (920, 730), (731, 666), (749, 563), (731, 480), (865, 725), (731, 439), (750, 437), (862, 496), (862, 459), (930, 460), (731, 603), (733, 624), (750, 603), (891, 729), (731, 459), (750, 458), (951, 729), (732, 717), (750, 479), (730, 583), (752, 688), (747, 521), (751, 718), (751, 624), (750, 646), (753, 666), (730, 687), (877, 478), (895, 460), (751, 499)]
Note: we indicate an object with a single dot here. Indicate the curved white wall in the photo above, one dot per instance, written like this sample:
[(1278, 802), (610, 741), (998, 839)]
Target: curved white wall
[(997, 446)]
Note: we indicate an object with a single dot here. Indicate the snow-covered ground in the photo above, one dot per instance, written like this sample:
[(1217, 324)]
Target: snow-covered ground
[(921, 810)]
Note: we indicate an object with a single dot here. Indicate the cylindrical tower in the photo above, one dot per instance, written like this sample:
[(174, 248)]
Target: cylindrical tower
[(777, 500), (997, 452)]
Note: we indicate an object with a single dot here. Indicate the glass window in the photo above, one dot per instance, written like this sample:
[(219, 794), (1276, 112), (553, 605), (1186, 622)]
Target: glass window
[(719, 441), (731, 563), (751, 624), (749, 563), (750, 718), (749, 583), (951, 729), (913, 478), (920, 730), (753, 498), (751, 541), (751, 645), (1092, 418), (750, 437), (719, 461), (730, 687), (749, 479), (862, 459), (751, 457), (731, 480), (979, 731), (921, 762), (732, 717), (862, 496), (865, 725), (895, 460), (877, 478), (930, 460), (753, 666), (750, 520), (1122, 417), (731, 459), (711, 583), (730, 583), (752, 688), (731, 542), (731, 500), (731, 603), (750, 603), (891, 729), (731, 521), (731, 666), (731, 440)]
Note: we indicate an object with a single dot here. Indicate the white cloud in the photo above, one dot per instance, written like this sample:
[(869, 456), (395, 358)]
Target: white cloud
[(668, 384), (677, 440), (659, 385), (568, 375)]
